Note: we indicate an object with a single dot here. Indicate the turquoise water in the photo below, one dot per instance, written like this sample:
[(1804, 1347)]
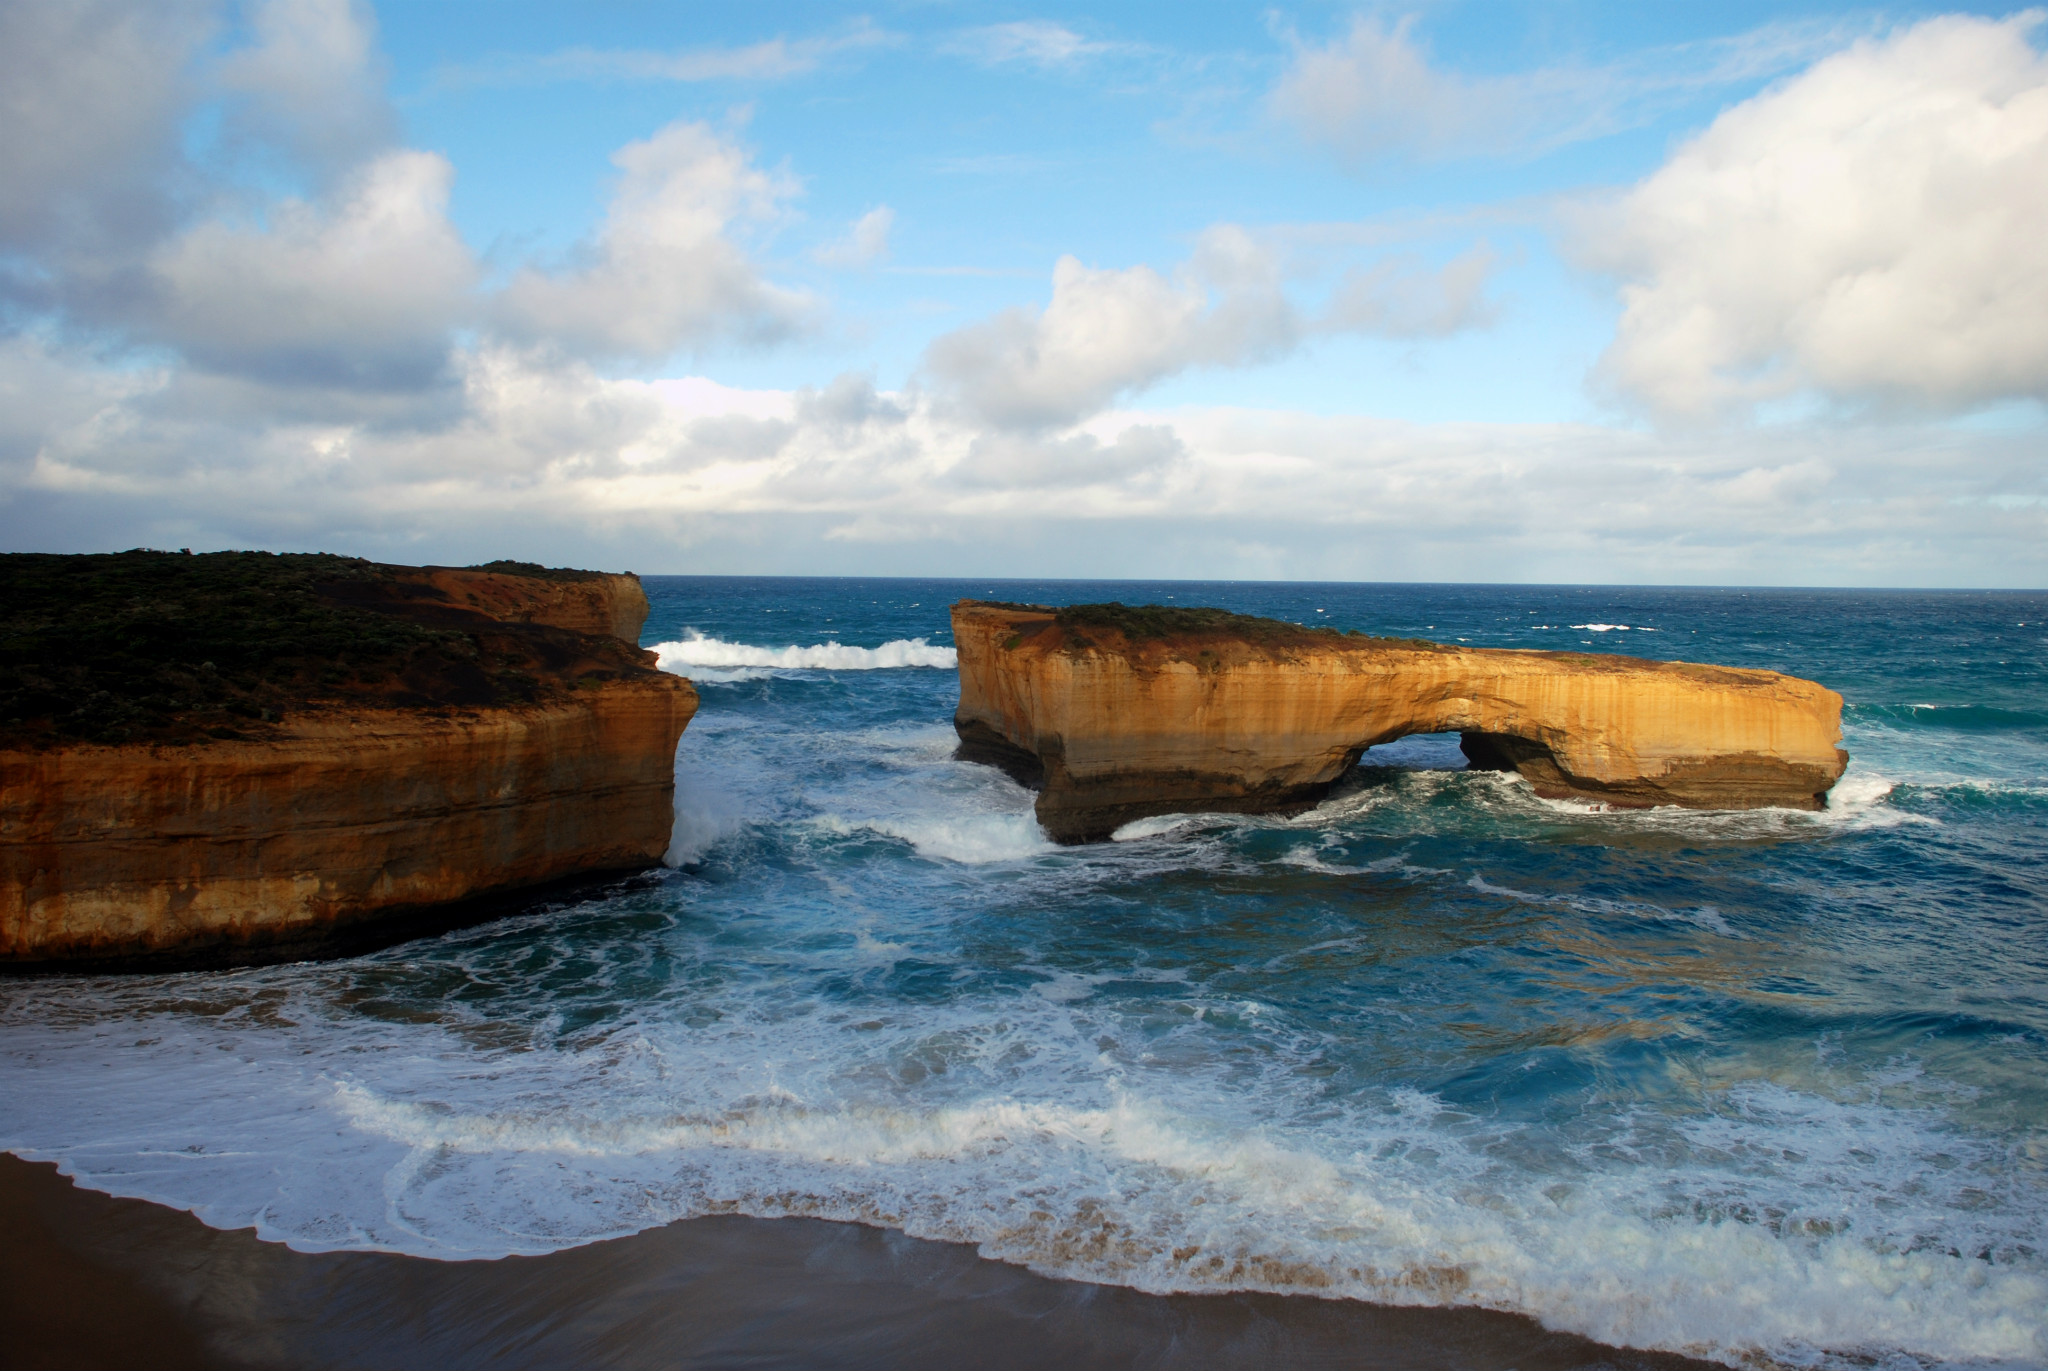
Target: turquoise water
[(1734, 1084)]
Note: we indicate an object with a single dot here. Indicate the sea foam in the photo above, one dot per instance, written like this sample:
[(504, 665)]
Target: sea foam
[(1774, 1223), (695, 650), (1434, 1042)]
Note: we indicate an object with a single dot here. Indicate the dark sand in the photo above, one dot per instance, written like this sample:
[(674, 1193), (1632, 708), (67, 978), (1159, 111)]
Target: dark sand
[(92, 1281)]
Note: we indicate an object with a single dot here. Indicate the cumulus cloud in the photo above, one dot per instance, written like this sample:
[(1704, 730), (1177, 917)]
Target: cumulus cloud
[(1373, 91), (1107, 332), (311, 83), (94, 97), (116, 231), (309, 376), (361, 292), (361, 282), (866, 241), (1871, 230), (1104, 332), (662, 272), (90, 97)]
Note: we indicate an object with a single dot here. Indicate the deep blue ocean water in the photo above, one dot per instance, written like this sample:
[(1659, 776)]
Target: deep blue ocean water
[(1762, 1084)]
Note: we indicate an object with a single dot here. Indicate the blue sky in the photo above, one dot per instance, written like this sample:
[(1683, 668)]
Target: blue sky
[(1157, 125), (1562, 292)]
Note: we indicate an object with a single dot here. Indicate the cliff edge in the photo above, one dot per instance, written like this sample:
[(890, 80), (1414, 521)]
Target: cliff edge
[(1117, 713), (240, 757)]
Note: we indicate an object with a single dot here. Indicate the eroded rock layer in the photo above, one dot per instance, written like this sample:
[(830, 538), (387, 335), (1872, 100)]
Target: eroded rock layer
[(1118, 715), (419, 739)]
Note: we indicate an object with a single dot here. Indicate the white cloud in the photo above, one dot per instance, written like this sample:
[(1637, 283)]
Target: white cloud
[(550, 458), (1002, 465), (1103, 332), (1399, 297), (662, 272), (1107, 332), (361, 284), (1374, 92), (1034, 42), (1871, 230), (361, 292), (304, 385), (357, 286), (45, 392), (866, 241), (90, 97), (312, 82), (772, 60)]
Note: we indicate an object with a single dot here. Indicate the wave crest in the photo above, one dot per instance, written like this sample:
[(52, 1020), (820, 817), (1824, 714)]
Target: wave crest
[(697, 650)]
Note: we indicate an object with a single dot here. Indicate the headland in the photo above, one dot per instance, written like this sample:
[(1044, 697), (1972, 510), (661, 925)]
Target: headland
[(244, 756)]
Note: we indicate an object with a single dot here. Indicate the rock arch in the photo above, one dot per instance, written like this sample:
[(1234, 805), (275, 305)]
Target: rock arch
[(1118, 714)]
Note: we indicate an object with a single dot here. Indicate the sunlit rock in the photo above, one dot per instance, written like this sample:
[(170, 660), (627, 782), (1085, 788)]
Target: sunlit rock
[(1118, 714), (236, 756)]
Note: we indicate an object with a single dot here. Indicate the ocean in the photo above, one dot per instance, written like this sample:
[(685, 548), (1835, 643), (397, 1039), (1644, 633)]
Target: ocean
[(1764, 1085)]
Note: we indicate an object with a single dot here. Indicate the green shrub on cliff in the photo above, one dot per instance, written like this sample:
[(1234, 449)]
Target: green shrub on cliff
[(168, 647), (506, 567), (1139, 623), (113, 647)]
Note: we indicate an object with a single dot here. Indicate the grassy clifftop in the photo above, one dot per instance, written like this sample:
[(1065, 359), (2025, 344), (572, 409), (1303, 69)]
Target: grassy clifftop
[(172, 647), (1146, 623)]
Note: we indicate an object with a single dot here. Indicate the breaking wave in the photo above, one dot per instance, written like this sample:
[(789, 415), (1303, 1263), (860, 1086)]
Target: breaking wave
[(1762, 1086), (696, 650), (1773, 1222)]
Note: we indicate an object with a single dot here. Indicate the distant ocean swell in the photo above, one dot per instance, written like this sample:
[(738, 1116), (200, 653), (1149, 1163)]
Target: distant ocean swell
[(1974, 718)]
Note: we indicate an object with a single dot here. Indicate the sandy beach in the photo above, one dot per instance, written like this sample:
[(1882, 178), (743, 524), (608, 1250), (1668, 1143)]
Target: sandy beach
[(93, 1281)]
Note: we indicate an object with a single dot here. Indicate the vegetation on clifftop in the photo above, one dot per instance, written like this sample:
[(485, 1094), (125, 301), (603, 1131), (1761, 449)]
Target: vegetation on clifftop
[(1140, 623), (506, 567), (148, 646)]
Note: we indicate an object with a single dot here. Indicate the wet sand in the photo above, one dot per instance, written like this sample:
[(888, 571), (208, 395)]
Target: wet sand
[(91, 1281)]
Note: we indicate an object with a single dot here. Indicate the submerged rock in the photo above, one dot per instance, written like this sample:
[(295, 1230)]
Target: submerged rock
[(241, 757), (1117, 714)]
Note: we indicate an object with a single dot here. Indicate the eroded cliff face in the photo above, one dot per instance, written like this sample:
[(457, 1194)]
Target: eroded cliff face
[(502, 738), (346, 818), (1115, 727)]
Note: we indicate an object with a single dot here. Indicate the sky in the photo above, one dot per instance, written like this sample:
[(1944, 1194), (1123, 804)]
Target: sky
[(1563, 292)]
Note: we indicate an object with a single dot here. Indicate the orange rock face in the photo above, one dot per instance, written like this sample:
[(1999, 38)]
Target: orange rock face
[(1115, 728), (345, 815), (132, 851)]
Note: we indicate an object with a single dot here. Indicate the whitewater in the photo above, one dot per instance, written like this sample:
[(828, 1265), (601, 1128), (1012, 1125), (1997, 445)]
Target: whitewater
[(1762, 1087), (695, 652)]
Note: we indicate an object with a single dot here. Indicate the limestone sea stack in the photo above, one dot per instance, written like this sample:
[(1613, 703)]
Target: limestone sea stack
[(239, 757), (1118, 713)]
